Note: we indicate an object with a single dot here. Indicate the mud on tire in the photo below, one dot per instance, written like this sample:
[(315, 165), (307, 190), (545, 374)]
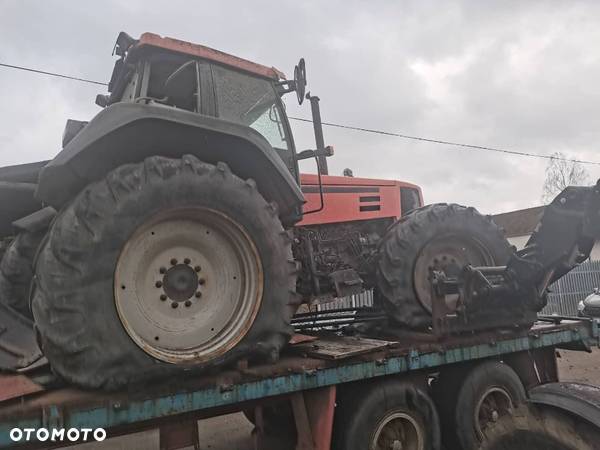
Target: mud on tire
[(410, 237), (74, 303)]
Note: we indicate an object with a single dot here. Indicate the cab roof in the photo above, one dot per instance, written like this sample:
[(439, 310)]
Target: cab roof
[(201, 51)]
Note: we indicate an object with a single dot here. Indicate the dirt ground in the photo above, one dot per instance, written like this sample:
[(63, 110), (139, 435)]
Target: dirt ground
[(579, 366), (232, 432)]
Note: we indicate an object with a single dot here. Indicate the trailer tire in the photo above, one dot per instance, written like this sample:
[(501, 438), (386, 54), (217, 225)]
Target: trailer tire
[(83, 324), (365, 410), (540, 428), (490, 390), (16, 270), (457, 234)]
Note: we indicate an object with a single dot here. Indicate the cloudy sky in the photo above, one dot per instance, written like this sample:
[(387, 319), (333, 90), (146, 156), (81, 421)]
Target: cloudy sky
[(516, 75)]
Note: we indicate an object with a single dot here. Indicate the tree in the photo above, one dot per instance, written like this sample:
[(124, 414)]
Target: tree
[(561, 173)]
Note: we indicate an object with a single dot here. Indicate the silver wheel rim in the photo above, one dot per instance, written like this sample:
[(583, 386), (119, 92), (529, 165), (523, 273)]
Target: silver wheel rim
[(495, 403), (188, 284), (398, 431)]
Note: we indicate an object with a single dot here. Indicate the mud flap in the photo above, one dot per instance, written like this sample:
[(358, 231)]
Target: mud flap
[(19, 350)]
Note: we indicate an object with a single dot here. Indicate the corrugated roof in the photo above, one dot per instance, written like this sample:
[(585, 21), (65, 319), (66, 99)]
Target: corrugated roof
[(521, 222)]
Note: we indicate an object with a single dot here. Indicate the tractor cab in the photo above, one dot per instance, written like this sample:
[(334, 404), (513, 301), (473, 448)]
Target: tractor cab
[(164, 71)]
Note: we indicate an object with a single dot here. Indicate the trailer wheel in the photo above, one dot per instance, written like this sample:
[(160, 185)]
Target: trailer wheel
[(164, 266), (440, 237), (488, 392), (387, 414), (16, 270), (540, 428)]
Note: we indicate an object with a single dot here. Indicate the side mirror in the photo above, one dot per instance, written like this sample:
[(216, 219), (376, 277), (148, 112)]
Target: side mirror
[(300, 80)]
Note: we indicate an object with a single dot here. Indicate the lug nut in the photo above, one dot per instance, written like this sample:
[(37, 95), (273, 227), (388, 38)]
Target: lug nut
[(158, 284), (162, 270), (163, 297), (198, 294), (197, 268), (201, 281), (187, 260), (174, 305), (188, 303), (173, 261)]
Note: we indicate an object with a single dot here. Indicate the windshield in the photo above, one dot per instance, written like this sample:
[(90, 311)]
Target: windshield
[(250, 101)]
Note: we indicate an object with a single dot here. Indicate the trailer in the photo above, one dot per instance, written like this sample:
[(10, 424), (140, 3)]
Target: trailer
[(314, 375)]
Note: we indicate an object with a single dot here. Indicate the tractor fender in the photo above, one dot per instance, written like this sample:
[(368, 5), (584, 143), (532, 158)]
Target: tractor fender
[(579, 399), (129, 132)]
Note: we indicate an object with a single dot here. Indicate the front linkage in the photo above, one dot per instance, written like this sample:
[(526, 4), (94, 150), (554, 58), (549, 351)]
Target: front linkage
[(511, 295)]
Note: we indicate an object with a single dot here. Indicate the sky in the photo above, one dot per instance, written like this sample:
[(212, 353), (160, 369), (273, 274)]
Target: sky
[(517, 75)]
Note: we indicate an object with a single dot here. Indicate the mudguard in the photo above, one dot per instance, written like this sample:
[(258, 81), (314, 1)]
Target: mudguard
[(578, 399), (129, 132), (17, 188)]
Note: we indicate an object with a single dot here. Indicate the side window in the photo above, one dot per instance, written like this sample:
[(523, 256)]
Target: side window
[(409, 200)]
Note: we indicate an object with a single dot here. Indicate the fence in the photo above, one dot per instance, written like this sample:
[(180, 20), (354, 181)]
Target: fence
[(565, 294), (569, 290)]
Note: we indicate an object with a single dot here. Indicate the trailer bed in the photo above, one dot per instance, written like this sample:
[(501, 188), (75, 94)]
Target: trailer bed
[(309, 362)]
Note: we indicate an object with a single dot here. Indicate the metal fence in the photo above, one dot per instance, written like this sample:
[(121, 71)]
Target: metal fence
[(569, 290), (352, 301), (565, 294)]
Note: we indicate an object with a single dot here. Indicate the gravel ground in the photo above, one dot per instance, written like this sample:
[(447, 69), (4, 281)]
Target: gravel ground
[(232, 432)]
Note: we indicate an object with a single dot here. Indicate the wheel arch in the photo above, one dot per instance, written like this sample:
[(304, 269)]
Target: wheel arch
[(129, 132)]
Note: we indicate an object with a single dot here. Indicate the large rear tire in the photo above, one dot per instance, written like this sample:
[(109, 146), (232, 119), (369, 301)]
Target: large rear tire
[(163, 266), (439, 237)]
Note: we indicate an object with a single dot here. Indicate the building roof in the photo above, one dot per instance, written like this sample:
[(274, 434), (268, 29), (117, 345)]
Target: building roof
[(521, 222)]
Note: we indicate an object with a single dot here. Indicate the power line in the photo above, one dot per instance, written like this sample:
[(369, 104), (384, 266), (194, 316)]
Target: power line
[(349, 127), (43, 72), (439, 141)]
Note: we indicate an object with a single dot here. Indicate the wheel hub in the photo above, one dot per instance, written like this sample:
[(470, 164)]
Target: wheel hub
[(493, 404), (449, 254), (180, 283), (398, 431), (188, 285)]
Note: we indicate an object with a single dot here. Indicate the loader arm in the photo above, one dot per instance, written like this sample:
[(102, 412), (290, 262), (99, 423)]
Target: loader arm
[(511, 295)]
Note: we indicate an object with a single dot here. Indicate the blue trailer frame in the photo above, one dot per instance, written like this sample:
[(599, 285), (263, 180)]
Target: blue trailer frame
[(204, 396)]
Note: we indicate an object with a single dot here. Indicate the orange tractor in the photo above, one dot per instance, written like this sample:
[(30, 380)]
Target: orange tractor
[(174, 231)]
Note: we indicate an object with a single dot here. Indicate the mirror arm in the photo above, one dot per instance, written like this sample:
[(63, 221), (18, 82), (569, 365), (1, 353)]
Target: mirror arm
[(307, 154)]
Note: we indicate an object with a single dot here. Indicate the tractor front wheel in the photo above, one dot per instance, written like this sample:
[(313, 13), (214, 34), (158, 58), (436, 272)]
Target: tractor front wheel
[(441, 237)]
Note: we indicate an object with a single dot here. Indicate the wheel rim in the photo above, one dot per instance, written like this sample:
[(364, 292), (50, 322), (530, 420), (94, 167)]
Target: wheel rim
[(449, 254), (188, 284), (398, 431), (493, 404)]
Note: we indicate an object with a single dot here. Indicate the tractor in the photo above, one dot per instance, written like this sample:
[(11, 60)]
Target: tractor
[(173, 232)]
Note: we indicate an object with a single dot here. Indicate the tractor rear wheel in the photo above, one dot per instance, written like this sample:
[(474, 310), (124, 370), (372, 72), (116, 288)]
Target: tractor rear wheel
[(163, 266), (437, 237)]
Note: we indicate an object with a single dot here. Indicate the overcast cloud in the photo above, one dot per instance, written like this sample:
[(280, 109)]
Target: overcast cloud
[(517, 75)]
